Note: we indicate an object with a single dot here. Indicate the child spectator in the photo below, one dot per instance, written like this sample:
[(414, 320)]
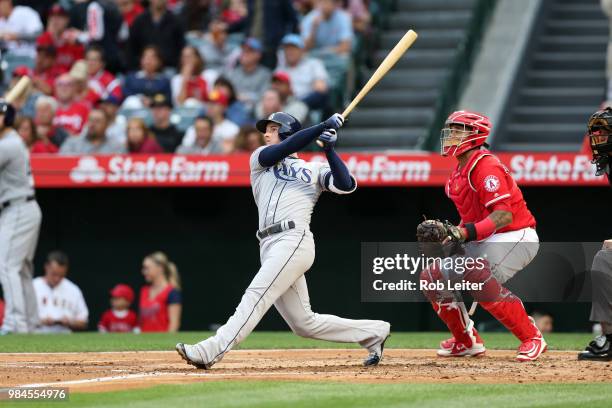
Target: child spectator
[(140, 139), (328, 28), (248, 140), (56, 35), (119, 318), (160, 299), (189, 86), (148, 81)]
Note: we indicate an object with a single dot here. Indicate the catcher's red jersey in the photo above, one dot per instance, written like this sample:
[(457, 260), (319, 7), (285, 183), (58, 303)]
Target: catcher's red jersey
[(485, 183)]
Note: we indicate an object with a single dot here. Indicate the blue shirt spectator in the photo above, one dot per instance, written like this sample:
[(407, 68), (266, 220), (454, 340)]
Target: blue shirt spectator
[(148, 81), (328, 28)]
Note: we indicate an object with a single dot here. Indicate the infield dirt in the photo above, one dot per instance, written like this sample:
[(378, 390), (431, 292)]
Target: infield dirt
[(110, 371)]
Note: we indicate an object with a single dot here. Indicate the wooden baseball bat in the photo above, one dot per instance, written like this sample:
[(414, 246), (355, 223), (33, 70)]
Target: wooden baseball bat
[(390, 60), (18, 90)]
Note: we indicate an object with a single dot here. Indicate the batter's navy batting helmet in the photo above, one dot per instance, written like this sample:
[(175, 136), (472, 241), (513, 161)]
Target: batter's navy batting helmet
[(8, 111), (288, 124)]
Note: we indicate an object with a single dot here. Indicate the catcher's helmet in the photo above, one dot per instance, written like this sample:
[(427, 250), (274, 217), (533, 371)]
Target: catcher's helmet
[(8, 111), (600, 137), (474, 132), (288, 124)]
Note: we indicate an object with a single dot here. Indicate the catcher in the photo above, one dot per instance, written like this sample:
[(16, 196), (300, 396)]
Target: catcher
[(497, 226)]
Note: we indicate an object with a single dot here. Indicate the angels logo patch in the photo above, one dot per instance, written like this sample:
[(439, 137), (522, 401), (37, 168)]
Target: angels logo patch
[(491, 184)]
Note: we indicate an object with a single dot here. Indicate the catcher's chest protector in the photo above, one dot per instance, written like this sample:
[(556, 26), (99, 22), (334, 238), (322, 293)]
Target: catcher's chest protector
[(462, 192)]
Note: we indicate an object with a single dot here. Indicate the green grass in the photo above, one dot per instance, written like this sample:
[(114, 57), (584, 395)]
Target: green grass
[(258, 340), (319, 394)]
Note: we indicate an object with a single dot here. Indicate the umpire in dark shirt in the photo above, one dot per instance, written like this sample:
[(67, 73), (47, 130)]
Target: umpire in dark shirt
[(166, 134), (156, 26)]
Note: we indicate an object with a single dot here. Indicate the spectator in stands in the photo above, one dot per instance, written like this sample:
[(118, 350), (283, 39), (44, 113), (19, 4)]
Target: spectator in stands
[(543, 321), (78, 72), (309, 79), (281, 82), (120, 318), (196, 15), (215, 49), (236, 111), (24, 105), (166, 134), (189, 86), (45, 69), (45, 109), (140, 139), (19, 27), (97, 22), (224, 131), (101, 84), (268, 21), (156, 26), (204, 143), (116, 123), (250, 78), (160, 299), (248, 140), (360, 15), (328, 28), (148, 81), (270, 103), (129, 9), (61, 306), (94, 139), (56, 35), (27, 130), (70, 114)]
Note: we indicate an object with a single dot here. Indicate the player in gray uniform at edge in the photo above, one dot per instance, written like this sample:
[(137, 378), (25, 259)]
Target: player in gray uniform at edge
[(20, 219), (286, 190)]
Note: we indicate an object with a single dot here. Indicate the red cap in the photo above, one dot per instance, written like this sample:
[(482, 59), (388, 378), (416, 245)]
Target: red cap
[(22, 70), (218, 96), (123, 291), (57, 10), (281, 76)]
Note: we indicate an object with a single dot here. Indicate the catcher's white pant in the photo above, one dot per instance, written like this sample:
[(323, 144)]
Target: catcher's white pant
[(19, 228), (285, 257)]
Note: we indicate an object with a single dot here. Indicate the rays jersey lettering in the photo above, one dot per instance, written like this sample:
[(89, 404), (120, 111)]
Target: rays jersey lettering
[(287, 191)]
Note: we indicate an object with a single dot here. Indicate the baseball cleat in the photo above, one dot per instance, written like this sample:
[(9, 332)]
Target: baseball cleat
[(375, 356), (181, 348), (597, 350), (461, 350), (531, 349), (447, 345)]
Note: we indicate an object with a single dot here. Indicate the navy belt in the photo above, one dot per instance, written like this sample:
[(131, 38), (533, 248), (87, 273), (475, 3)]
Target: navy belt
[(275, 229)]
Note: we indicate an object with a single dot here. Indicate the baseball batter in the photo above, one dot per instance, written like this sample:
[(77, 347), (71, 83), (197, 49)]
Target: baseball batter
[(496, 226), (20, 218), (286, 190)]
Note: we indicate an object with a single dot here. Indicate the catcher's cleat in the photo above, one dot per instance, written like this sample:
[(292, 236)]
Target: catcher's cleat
[(181, 348), (448, 344), (375, 356), (598, 350), (531, 349), (461, 350)]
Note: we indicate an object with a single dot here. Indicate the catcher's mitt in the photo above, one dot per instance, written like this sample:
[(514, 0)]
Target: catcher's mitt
[(432, 235)]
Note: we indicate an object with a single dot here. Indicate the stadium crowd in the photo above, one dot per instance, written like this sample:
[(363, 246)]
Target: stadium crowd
[(190, 76)]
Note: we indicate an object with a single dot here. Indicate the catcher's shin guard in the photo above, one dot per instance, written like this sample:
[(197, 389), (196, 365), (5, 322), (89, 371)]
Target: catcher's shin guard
[(456, 318), (510, 312)]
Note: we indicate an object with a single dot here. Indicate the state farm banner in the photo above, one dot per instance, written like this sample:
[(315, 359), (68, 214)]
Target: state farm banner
[(371, 170)]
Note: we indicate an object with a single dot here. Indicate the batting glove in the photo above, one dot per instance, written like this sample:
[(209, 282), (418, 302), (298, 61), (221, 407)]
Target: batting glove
[(335, 121), (328, 138)]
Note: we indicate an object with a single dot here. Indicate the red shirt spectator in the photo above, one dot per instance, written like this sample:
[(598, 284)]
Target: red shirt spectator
[(70, 115), (41, 146), (119, 319), (45, 70), (67, 51), (160, 300), (101, 84)]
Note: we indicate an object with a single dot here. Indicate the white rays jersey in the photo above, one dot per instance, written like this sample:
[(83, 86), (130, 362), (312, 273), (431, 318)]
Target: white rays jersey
[(289, 190)]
